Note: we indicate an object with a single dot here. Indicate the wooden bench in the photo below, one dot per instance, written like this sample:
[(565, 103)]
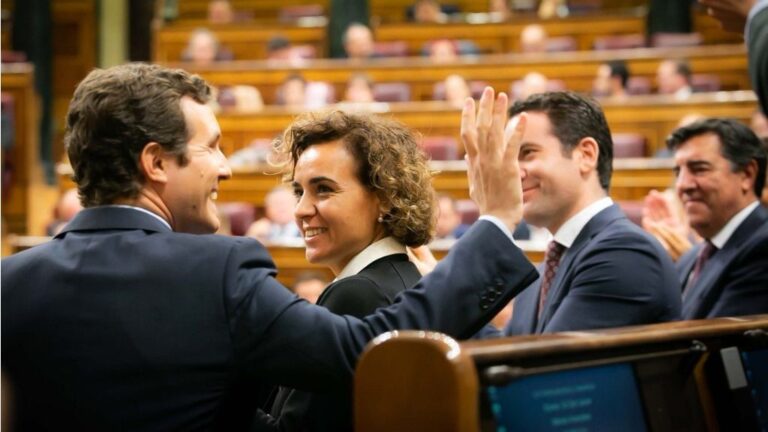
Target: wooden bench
[(383, 10), (652, 116), (289, 258), (576, 69), (684, 375), (247, 41)]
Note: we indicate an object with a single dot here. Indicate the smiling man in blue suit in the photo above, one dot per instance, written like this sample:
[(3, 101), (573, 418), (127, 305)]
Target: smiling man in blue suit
[(600, 270), (133, 318), (720, 168)]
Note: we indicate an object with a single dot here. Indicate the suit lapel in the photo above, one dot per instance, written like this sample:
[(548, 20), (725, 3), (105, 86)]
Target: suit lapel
[(558, 290), (703, 293)]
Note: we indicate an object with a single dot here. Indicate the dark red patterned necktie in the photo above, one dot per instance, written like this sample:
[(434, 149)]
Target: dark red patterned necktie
[(701, 259), (552, 261)]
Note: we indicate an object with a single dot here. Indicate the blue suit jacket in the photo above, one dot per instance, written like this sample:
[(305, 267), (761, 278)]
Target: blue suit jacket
[(735, 279), (613, 275), (121, 324)]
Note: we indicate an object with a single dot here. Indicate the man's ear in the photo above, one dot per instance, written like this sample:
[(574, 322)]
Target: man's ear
[(589, 152), (750, 177), (153, 163)]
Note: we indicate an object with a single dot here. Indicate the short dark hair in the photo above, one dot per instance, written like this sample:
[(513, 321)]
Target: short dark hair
[(113, 114), (573, 118), (738, 144), (390, 163), (278, 42), (682, 67), (619, 69)]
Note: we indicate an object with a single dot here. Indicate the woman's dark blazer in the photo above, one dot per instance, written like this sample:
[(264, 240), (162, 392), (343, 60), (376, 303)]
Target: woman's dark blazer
[(359, 295)]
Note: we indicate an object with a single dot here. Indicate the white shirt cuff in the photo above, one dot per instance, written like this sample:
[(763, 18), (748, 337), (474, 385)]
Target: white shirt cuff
[(501, 225)]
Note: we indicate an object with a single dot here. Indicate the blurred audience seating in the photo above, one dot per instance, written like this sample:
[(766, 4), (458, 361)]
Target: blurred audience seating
[(392, 92), (629, 145)]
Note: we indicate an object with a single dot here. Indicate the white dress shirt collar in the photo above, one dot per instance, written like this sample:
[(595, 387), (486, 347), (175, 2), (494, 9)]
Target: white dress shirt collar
[(568, 232), (165, 222), (721, 238), (384, 247)]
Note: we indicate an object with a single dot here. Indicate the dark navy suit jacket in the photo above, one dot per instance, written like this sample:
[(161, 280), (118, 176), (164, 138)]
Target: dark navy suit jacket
[(734, 280), (120, 324), (377, 285), (613, 275)]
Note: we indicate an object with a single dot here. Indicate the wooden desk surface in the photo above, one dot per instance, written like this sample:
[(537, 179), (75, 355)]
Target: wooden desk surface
[(576, 69), (289, 258)]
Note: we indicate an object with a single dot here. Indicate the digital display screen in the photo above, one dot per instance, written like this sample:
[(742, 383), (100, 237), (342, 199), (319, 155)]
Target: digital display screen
[(601, 398), (756, 369)]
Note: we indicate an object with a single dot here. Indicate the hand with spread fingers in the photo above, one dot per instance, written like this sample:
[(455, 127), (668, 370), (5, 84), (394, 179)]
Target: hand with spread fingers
[(492, 166)]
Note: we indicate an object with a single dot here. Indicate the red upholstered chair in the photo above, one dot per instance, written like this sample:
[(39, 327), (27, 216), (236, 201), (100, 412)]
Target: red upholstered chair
[(638, 85), (676, 39), (561, 44), (305, 51), (626, 145), (390, 49), (633, 210), (240, 214), (468, 211), (476, 88), (392, 92), (628, 41), (705, 82), (440, 147), (13, 57)]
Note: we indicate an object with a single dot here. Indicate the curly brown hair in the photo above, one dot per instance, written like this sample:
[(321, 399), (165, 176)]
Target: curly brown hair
[(390, 163), (113, 114)]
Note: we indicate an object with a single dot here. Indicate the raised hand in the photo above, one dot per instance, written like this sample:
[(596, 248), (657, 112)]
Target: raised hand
[(492, 166)]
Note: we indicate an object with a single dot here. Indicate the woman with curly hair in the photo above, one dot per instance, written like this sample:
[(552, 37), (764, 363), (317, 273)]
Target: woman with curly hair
[(364, 193)]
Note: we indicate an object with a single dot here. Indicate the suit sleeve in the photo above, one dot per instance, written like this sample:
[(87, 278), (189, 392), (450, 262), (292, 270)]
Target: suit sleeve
[(288, 341), (621, 281), (758, 56)]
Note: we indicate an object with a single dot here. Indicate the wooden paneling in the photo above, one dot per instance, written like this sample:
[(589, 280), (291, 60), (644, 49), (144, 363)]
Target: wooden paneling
[(18, 204), (74, 55), (576, 69)]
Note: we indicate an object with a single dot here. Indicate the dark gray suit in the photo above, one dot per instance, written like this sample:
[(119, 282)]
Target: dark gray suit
[(734, 280), (121, 324), (613, 275)]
